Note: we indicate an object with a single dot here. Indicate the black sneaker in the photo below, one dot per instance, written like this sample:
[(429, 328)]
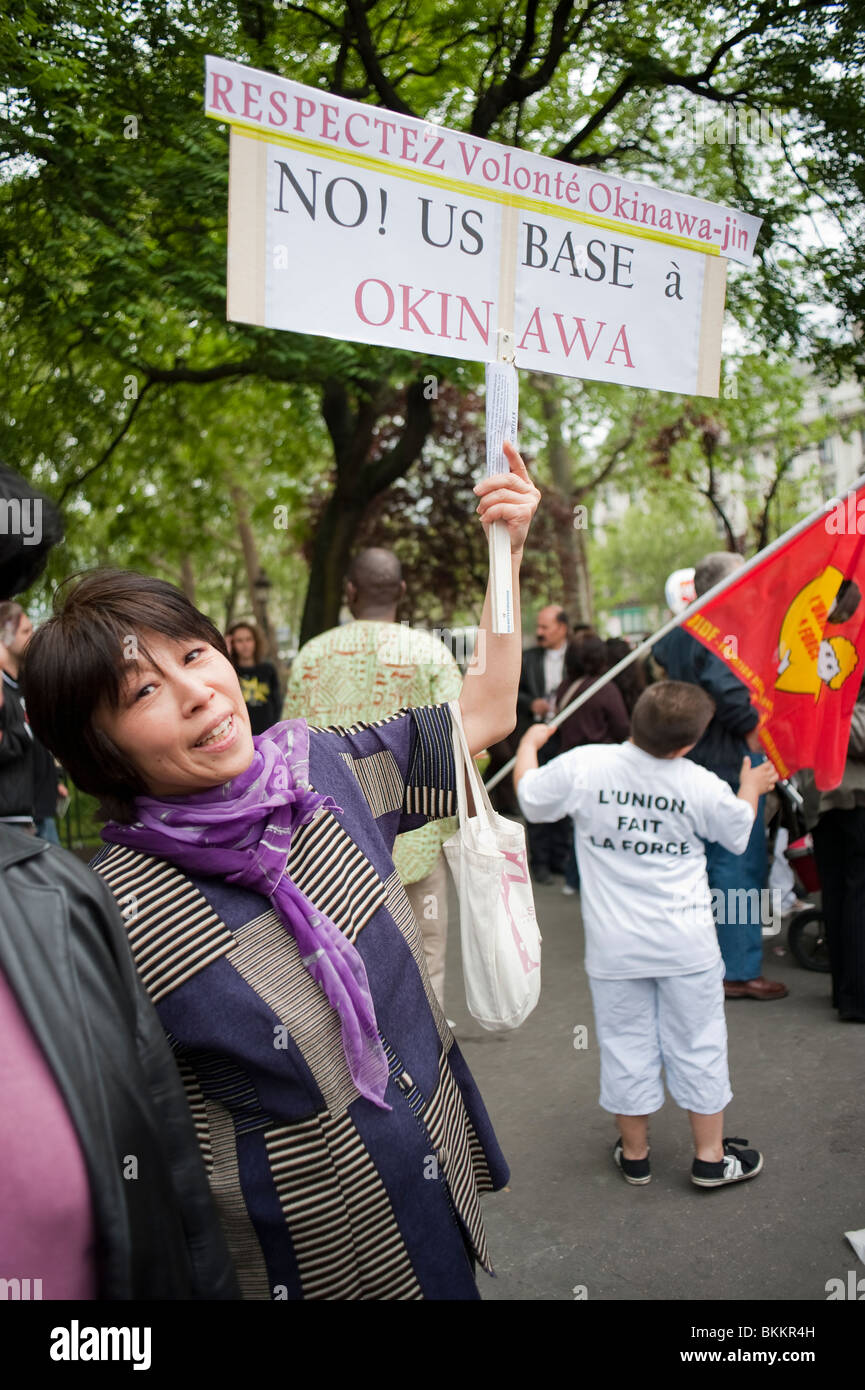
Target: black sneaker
[(634, 1170), (737, 1164)]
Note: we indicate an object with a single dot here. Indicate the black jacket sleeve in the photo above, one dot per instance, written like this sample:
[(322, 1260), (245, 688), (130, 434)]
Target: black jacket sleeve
[(529, 687), (733, 706), (15, 741)]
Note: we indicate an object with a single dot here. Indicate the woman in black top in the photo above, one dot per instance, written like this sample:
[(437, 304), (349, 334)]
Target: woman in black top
[(258, 679), (604, 716), (634, 679)]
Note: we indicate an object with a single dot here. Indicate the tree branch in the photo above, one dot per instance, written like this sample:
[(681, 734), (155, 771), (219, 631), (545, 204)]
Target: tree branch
[(88, 472), (708, 449), (222, 371), (599, 117), (418, 423), (199, 376), (515, 87), (780, 472), (314, 14), (337, 415), (608, 466), (650, 73), (369, 57)]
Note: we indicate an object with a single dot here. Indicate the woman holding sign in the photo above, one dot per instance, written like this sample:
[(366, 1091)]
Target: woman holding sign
[(344, 1138)]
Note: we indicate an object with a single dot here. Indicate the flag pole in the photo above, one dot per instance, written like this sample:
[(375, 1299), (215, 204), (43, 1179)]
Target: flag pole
[(689, 612)]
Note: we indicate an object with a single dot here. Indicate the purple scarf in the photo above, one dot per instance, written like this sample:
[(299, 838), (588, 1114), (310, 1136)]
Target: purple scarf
[(242, 832)]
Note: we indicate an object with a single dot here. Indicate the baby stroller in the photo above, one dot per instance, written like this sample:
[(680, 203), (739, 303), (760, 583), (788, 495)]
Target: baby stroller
[(806, 931), (806, 934)]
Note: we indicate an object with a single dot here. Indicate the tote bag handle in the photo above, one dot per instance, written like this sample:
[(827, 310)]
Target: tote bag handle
[(467, 772)]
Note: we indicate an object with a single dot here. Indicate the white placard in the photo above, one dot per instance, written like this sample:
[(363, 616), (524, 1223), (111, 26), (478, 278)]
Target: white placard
[(354, 222)]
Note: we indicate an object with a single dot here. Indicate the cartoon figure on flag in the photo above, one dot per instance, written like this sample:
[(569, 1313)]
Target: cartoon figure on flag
[(810, 661)]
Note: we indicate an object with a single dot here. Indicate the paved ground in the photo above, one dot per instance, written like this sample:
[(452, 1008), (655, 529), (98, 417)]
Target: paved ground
[(569, 1219)]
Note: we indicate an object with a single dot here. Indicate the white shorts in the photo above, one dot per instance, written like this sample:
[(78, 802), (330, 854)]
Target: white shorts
[(674, 1022)]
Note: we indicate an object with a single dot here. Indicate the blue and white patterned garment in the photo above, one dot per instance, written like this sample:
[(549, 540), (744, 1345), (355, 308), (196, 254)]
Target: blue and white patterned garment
[(322, 1194)]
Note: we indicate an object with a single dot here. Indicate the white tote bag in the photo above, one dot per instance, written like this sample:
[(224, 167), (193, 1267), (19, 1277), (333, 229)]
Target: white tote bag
[(501, 944)]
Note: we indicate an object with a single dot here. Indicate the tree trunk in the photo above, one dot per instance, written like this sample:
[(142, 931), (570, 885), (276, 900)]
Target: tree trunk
[(584, 606), (231, 600), (331, 551), (253, 566), (360, 477), (568, 535), (187, 578)]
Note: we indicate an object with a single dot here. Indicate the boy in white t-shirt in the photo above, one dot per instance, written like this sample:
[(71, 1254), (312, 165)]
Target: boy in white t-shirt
[(641, 812)]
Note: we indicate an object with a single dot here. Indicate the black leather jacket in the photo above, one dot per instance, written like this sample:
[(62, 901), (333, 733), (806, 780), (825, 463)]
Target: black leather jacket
[(16, 754), (64, 951), (532, 687)]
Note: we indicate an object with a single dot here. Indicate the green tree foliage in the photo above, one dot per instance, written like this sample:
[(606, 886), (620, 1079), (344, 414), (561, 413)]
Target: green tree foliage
[(636, 554), (128, 392), (742, 447)]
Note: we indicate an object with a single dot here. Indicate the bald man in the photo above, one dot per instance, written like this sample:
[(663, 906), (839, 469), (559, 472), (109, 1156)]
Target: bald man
[(366, 670)]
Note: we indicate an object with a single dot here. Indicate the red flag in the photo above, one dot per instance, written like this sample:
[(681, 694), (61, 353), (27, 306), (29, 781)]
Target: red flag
[(773, 627)]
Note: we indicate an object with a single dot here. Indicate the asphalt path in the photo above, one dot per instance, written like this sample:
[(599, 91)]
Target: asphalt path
[(570, 1227)]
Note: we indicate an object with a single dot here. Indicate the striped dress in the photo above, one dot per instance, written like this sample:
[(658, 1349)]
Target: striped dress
[(321, 1193)]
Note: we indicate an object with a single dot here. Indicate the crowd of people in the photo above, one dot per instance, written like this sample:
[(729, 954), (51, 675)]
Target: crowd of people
[(251, 974), (333, 1143)]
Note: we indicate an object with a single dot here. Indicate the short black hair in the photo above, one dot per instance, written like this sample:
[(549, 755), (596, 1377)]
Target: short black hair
[(670, 715), (586, 658), (77, 660), (376, 575)]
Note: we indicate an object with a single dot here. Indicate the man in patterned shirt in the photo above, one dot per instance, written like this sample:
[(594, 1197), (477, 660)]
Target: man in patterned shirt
[(364, 671)]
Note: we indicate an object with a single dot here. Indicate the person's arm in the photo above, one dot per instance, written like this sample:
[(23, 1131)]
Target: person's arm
[(550, 792), (722, 815), (527, 753), (488, 702), (754, 782), (733, 706), (446, 680)]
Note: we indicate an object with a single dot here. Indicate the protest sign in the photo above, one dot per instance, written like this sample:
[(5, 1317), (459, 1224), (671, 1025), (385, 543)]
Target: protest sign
[(354, 222)]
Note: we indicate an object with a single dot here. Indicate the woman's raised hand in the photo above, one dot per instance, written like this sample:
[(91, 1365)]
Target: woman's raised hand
[(511, 498)]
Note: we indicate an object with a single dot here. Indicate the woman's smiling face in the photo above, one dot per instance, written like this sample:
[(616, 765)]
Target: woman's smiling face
[(181, 720)]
